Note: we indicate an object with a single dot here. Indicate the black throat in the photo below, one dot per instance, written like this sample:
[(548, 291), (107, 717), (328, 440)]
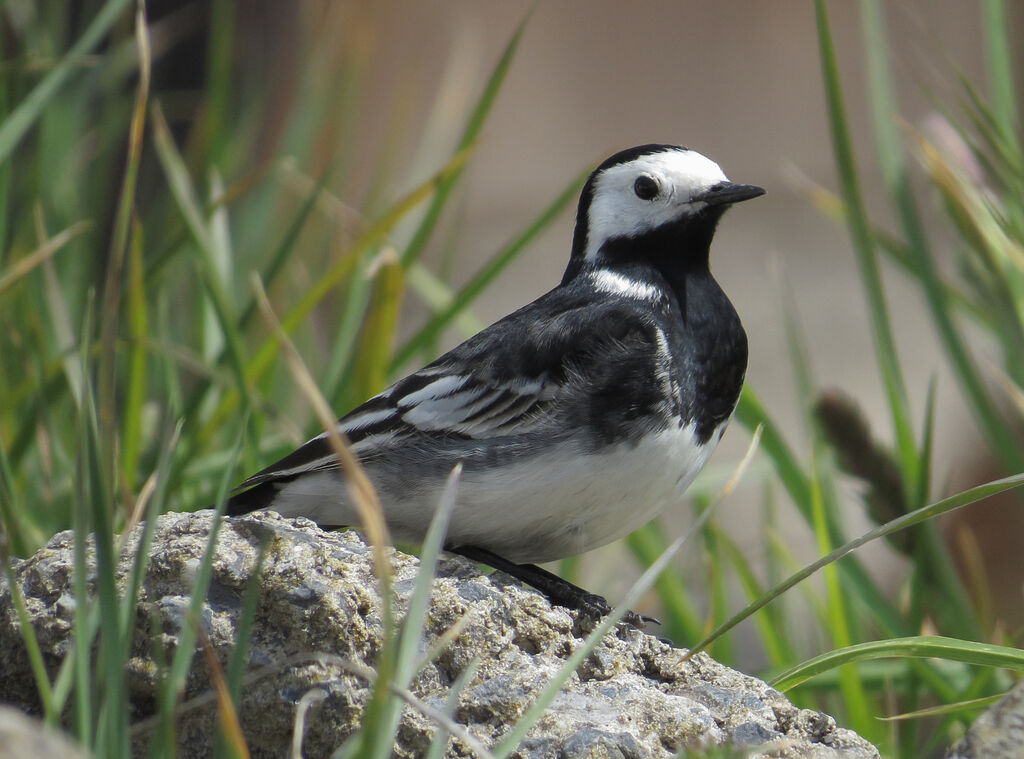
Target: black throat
[(707, 342)]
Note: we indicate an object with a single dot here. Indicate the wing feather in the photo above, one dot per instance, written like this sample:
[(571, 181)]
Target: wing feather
[(507, 381)]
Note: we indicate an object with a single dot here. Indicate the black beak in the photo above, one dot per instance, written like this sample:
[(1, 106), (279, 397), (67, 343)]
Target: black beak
[(728, 192)]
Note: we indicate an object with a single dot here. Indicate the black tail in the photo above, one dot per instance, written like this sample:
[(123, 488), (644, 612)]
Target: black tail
[(254, 499)]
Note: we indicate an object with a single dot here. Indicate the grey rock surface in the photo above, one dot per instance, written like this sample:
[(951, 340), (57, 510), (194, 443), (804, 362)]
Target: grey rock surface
[(319, 618), (998, 733)]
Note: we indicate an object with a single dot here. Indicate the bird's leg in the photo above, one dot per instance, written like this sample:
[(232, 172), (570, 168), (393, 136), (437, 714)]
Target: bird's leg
[(558, 591)]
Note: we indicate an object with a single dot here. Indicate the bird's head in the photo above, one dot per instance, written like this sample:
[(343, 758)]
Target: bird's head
[(666, 197)]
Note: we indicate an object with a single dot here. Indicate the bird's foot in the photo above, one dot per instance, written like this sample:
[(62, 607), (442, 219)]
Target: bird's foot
[(558, 591), (597, 607)]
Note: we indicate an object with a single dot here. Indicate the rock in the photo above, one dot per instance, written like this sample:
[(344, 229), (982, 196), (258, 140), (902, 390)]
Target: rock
[(319, 620), (998, 733), (22, 736)]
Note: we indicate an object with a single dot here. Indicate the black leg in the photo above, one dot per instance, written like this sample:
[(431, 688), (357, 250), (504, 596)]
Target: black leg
[(558, 591)]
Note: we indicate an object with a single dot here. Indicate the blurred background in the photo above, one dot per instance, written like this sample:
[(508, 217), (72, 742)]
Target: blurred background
[(318, 145)]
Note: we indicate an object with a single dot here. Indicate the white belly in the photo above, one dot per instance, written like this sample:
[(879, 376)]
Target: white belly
[(562, 505), (539, 509)]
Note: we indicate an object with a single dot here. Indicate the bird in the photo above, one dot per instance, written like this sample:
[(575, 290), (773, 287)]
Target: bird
[(577, 418)]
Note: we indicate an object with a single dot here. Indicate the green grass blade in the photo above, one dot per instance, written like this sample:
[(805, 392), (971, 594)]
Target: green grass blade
[(28, 635), (536, 710), (469, 135), (770, 625), (14, 127), (931, 511), (85, 688), (954, 611), (1003, 440), (922, 488), (153, 508), (17, 270), (112, 727), (924, 646), (135, 390), (63, 331), (970, 708), (6, 184), (999, 65), (751, 414), (408, 643), (219, 265), (171, 383), (14, 524), (111, 302), (883, 676), (220, 52), (340, 383), (863, 243), (486, 275), (433, 543), (370, 364), (247, 617), (440, 739), (188, 203), (724, 648), (186, 645), (438, 295), (290, 238), (837, 613), (682, 622), (264, 356)]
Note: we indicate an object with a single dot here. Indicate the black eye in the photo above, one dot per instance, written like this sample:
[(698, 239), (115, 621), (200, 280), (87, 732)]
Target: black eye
[(645, 187)]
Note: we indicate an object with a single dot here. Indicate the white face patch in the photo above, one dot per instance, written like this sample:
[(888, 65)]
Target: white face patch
[(617, 211)]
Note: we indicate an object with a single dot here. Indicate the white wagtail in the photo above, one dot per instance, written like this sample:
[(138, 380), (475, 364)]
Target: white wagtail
[(577, 418)]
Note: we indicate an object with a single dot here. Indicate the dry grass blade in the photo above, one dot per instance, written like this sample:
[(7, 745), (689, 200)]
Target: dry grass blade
[(358, 670), (142, 499), (944, 709), (740, 470), (119, 240), (309, 700), (349, 220), (1006, 383), (60, 313), (225, 707), (444, 640), (970, 208), (24, 265), (363, 495), (453, 727), (18, 122)]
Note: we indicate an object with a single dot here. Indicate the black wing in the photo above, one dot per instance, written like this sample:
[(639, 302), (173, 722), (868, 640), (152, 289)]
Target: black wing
[(564, 364)]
